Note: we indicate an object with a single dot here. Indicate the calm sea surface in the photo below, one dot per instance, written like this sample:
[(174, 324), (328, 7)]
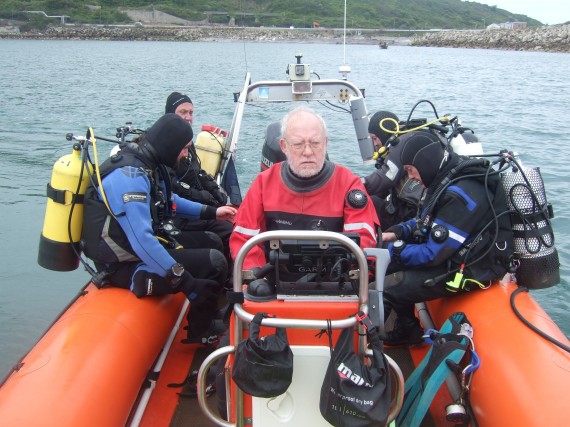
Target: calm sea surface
[(514, 100)]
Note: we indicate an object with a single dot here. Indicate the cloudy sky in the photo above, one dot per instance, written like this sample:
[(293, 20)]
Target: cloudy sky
[(546, 11)]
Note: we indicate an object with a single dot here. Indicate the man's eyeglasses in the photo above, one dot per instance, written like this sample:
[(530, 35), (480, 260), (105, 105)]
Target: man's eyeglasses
[(300, 146)]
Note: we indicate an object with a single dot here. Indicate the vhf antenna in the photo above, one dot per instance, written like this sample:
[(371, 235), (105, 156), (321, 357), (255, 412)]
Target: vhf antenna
[(344, 69)]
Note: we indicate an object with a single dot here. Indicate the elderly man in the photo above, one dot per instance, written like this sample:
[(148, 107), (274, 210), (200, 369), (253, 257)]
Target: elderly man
[(305, 192)]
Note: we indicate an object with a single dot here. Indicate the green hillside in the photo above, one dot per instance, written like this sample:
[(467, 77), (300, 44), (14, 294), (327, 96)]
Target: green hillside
[(399, 14)]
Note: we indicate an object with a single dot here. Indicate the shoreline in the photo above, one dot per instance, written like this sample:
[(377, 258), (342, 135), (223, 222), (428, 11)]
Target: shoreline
[(554, 38), (205, 34)]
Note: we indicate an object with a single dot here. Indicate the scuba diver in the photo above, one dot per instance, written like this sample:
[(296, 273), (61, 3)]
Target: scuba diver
[(395, 196), (461, 241), (129, 234), (191, 182)]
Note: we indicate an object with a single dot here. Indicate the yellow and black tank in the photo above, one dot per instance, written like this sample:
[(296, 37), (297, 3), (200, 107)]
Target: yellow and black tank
[(59, 247)]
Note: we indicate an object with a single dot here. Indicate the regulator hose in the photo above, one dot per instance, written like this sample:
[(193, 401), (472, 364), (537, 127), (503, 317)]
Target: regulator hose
[(446, 182), (530, 325)]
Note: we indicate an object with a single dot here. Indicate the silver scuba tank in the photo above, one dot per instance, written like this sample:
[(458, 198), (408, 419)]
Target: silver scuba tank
[(533, 235)]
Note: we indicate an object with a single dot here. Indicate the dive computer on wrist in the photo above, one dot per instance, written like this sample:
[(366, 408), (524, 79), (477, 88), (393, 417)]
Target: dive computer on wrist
[(175, 274), (397, 248)]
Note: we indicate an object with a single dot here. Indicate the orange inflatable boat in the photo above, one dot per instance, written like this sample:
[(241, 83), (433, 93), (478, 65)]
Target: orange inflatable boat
[(99, 363), (89, 367), (522, 376), (112, 360)]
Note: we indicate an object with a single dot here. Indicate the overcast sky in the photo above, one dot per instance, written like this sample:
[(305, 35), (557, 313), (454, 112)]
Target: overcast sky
[(546, 11)]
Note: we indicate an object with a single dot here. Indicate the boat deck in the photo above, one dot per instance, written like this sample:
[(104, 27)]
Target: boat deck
[(188, 412)]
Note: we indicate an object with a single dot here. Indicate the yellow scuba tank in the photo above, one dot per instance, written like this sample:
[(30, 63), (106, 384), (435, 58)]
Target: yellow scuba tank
[(58, 250), (210, 144)]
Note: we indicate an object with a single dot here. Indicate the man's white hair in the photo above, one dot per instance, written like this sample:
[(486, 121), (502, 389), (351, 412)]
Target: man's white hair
[(297, 110)]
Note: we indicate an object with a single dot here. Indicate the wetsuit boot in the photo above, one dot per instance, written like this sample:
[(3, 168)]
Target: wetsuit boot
[(407, 331), (210, 336)]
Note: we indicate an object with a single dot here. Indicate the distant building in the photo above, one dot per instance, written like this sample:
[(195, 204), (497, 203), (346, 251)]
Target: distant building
[(41, 12), (519, 25), (507, 26)]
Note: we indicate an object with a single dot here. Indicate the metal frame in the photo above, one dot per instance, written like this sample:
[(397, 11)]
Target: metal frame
[(281, 91), (243, 317)]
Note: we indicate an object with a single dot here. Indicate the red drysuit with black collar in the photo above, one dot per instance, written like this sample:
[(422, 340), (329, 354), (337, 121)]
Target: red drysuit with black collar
[(339, 203)]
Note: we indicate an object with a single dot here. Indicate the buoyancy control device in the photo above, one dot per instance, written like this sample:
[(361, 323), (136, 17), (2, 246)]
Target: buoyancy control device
[(59, 247), (535, 256), (104, 240), (539, 266), (210, 145)]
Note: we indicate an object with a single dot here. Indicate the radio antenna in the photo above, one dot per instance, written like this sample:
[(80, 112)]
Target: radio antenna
[(344, 69), (344, 37)]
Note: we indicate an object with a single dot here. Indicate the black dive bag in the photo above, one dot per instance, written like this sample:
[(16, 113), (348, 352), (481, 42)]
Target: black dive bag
[(263, 367), (354, 394)]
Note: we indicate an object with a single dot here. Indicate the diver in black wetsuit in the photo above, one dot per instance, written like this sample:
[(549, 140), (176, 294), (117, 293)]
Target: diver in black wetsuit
[(461, 241), (193, 183), (128, 233), (395, 196)]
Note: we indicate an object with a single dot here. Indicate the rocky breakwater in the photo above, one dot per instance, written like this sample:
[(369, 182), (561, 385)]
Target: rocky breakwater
[(554, 38), (177, 33)]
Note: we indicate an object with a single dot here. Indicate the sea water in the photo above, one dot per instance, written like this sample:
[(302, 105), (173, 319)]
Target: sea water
[(513, 100)]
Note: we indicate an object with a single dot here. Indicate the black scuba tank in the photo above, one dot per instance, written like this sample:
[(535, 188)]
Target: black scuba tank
[(532, 231), (271, 151)]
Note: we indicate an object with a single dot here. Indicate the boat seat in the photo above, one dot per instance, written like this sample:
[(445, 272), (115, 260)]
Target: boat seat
[(299, 405)]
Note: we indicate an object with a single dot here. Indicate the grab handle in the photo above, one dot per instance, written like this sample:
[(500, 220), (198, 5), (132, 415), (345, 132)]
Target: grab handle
[(273, 237), (201, 384)]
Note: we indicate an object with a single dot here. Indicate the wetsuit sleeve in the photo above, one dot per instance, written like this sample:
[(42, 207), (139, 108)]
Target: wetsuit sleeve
[(381, 181), (249, 222), (127, 190), (459, 214), (189, 209), (360, 219), (404, 230)]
